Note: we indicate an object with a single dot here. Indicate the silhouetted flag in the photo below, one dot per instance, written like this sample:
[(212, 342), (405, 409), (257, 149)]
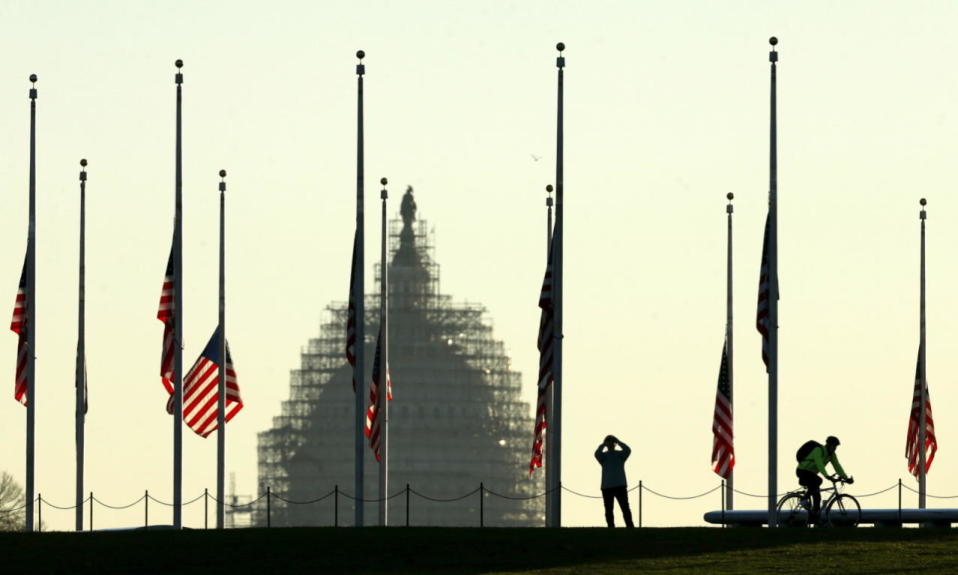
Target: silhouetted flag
[(165, 314), (723, 451), (81, 376), (351, 315), (546, 339), (20, 324), (373, 420), (912, 444), (763, 294), (201, 394)]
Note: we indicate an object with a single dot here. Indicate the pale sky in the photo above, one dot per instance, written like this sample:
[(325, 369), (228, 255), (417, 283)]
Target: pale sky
[(666, 112)]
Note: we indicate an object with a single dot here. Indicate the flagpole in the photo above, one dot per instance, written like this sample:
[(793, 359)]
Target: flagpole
[(221, 408), (382, 395), (31, 307), (81, 354), (773, 297), (358, 297), (178, 312), (550, 434), (556, 472), (921, 360), (730, 480)]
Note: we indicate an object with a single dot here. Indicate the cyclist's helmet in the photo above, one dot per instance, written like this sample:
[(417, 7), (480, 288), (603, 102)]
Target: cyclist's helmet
[(832, 441)]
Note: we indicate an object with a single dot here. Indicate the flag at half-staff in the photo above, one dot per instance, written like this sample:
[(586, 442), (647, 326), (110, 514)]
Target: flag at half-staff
[(373, 414), (165, 314), (723, 451), (545, 345), (201, 389), (20, 325), (913, 443), (351, 314), (761, 321)]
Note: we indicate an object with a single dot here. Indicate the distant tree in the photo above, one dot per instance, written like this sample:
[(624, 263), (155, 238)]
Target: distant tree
[(11, 497)]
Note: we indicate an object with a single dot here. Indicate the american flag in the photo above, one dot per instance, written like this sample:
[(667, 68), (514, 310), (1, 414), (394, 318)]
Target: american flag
[(201, 390), (20, 326), (165, 314), (81, 377), (763, 293), (723, 450), (373, 422), (546, 338), (931, 443), (351, 315)]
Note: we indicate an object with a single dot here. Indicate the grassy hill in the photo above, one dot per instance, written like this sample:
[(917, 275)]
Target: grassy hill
[(479, 551)]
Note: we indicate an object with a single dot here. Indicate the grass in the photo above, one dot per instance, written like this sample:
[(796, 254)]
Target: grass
[(483, 551)]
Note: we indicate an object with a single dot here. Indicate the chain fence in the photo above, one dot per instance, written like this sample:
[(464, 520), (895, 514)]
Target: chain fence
[(336, 494)]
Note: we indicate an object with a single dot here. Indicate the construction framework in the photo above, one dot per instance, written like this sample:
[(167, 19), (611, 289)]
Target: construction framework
[(457, 418)]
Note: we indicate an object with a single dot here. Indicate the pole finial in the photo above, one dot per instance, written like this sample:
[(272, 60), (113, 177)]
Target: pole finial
[(923, 202), (360, 67), (179, 73), (33, 78), (773, 55), (560, 46), (33, 87), (178, 64), (730, 196), (360, 54), (83, 162), (549, 188), (549, 197), (921, 214), (383, 194), (560, 61), (83, 170), (223, 181)]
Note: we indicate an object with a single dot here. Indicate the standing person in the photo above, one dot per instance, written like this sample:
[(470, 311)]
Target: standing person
[(614, 484)]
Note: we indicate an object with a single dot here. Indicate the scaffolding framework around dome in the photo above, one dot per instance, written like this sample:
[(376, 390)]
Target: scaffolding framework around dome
[(457, 418)]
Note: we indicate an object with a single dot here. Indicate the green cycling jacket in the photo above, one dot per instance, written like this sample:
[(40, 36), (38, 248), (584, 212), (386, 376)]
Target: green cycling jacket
[(818, 458)]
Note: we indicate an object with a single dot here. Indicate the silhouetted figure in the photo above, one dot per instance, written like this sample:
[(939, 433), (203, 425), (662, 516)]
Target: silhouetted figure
[(614, 484), (812, 458)]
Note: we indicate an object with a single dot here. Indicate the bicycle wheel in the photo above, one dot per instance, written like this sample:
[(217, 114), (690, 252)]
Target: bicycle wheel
[(843, 511), (791, 512)]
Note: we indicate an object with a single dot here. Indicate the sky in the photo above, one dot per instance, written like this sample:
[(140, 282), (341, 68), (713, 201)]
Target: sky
[(666, 112)]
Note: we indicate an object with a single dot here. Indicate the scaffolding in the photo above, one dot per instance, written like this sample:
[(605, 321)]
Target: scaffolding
[(456, 418)]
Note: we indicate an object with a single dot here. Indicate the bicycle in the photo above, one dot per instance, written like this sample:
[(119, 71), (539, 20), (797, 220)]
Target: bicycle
[(839, 510)]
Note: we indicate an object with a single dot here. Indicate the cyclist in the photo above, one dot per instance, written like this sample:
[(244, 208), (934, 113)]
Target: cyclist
[(816, 457)]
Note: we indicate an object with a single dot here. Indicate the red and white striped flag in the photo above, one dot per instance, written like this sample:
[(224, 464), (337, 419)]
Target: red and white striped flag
[(373, 419), (764, 289), (165, 314), (201, 394), (912, 444), (20, 325), (545, 345), (723, 450), (351, 314)]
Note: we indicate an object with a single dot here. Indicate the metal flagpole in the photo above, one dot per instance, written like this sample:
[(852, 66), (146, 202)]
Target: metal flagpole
[(358, 297), (221, 414), (729, 481), (550, 434), (178, 312), (382, 395), (773, 298), (921, 360), (81, 353), (558, 288), (31, 319)]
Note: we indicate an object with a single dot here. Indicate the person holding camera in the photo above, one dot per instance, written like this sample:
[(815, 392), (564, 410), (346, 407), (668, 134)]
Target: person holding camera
[(614, 484)]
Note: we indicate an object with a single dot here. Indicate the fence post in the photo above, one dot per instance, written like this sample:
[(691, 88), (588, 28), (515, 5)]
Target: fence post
[(723, 502), (640, 503), (899, 503), (206, 508), (407, 505), (482, 505), (91, 511), (39, 512), (336, 505), (268, 519), (146, 509)]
